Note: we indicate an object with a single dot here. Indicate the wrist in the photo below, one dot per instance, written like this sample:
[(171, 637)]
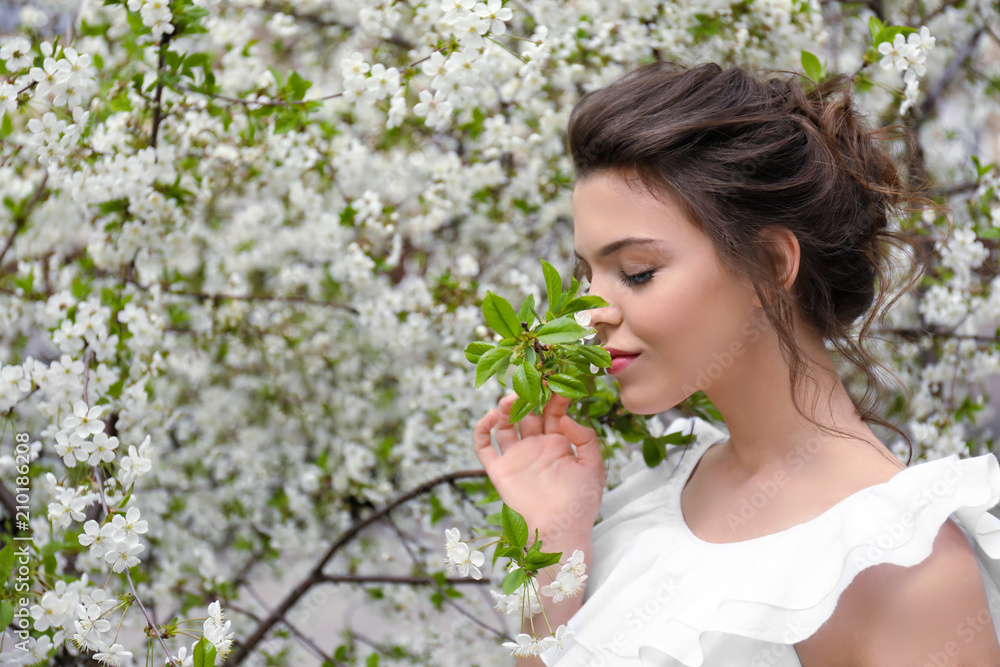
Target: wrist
[(569, 536)]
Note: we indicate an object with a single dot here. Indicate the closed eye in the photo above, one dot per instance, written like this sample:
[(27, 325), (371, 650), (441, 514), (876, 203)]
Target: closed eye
[(636, 279)]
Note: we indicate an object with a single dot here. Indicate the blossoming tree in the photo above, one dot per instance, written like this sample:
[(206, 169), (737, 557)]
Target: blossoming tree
[(244, 244)]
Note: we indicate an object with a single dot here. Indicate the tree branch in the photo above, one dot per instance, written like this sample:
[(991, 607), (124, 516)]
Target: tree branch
[(930, 103), (295, 631), (916, 334), (396, 579), (204, 296), (321, 22), (158, 109), (316, 574), (404, 540)]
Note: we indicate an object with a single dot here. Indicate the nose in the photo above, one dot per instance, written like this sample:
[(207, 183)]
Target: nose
[(610, 315)]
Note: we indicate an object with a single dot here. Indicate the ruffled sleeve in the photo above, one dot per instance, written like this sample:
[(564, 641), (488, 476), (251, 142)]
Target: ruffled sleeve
[(670, 599)]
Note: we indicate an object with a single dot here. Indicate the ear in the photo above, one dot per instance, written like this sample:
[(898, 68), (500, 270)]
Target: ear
[(786, 247)]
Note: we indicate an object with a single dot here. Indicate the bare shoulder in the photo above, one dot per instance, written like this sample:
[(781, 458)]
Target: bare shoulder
[(933, 613)]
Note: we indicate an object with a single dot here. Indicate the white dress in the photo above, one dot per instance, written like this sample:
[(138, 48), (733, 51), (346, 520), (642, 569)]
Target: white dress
[(658, 596)]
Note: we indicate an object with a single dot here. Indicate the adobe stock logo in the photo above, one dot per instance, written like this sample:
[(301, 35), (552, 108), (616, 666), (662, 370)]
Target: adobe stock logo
[(767, 489)]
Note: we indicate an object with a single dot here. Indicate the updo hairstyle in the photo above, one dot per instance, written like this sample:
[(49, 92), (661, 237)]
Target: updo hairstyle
[(739, 153)]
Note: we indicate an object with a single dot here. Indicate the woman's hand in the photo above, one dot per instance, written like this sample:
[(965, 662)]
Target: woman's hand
[(536, 472)]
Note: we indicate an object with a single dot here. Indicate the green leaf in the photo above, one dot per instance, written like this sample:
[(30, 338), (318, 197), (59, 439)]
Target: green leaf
[(438, 511), (6, 127), (6, 565), (553, 284), (509, 552), (889, 32), (677, 438), (513, 581), (6, 613), (561, 330), (536, 560), (812, 66), (204, 653), (372, 660), (595, 354), (526, 312), (981, 169), (583, 303), (514, 526), (520, 409), (502, 370), (476, 349), (653, 452), (874, 28), (528, 383), (490, 362), (566, 385), (299, 86), (26, 283), (500, 315)]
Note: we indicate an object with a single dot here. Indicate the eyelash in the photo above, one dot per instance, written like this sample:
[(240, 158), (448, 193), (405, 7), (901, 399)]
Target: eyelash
[(637, 279), (628, 279)]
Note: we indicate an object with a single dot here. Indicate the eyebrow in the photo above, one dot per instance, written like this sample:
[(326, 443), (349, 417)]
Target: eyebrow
[(615, 246)]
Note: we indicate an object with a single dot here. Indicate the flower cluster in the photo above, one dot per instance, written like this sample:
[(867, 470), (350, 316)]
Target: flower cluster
[(907, 54), (570, 579), (155, 15), (459, 557), (216, 629), (521, 602), (527, 645), (569, 582), (117, 541)]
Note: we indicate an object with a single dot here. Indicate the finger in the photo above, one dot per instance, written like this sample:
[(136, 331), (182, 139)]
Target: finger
[(555, 409), (506, 433), (588, 447), (530, 425), (481, 441)]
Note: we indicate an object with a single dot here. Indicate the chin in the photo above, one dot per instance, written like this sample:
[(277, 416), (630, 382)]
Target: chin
[(639, 404)]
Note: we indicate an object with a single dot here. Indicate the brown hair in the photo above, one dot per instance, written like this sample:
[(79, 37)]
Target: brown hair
[(739, 153)]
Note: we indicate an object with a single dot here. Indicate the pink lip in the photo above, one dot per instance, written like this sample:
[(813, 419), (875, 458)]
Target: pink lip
[(621, 361)]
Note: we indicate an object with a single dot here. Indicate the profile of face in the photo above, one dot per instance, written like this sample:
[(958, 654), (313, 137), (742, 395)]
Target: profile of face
[(672, 304)]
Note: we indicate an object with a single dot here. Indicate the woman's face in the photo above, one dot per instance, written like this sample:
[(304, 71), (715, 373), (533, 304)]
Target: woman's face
[(677, 322)]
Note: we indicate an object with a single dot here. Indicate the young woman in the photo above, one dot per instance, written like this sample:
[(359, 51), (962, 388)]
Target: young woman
[(736, 224)]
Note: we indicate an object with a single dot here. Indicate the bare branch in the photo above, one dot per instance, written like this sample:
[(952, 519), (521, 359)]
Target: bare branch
[(316, 574), (405, 541), (205, 296), (916, 334), (393, 579), (295, 631), (950, 72), (323, 22)]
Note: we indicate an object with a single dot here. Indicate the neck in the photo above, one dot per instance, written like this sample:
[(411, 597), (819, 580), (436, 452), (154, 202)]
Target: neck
[(756, 404)]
